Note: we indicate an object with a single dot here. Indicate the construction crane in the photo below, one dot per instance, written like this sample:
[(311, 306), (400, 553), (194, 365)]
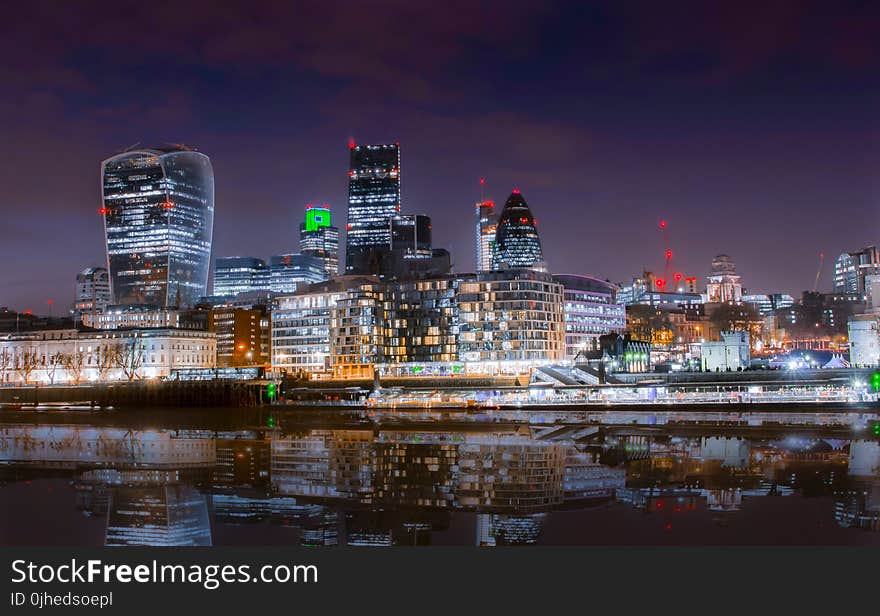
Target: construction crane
[(819, 271), (661, 283)]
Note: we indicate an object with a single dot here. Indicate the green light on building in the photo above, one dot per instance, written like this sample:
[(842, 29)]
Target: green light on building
[(317, 217)]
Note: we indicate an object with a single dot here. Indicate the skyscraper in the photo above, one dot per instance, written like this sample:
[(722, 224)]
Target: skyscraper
[(516, 240), (234, 275), (92, 290), (846, 276), (319, 238), (373, 198), (158, 207), (486, 229), (410, 234), (851, 268), (288, 272)]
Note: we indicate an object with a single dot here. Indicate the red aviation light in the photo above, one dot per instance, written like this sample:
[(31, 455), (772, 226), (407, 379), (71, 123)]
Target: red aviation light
[(348, 227), (515, 191), (668, 254), (28, 312), (677, 277), (48, 302), (482, 181), (524, 220), (662, 224), (168, 205), (660, 283), (535, 222), (103, 210), (351, 144)]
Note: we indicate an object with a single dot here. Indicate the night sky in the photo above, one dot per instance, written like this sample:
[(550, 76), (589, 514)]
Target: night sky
[(752, 128)]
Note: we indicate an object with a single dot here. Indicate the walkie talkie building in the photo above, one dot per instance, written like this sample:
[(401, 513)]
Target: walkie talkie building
[(158, 208)]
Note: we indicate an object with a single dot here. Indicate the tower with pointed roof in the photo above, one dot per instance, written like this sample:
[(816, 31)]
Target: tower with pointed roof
[(516, 238)]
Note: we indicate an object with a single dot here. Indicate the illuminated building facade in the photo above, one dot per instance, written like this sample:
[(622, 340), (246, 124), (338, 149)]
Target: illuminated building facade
[(158, 209), (864, 340), (590, 311), (501, 321), (239, 334), (846, 277), (234, 275), (143, 316), (301, 331), (373, 199), (486, 229), (420, 322), (72, 356), (291, 271), (319, 238), (92, 293), (516, 240), (851, 270), (511, 316), (356, 334), (624, 354), (731, 353), (723, 286)]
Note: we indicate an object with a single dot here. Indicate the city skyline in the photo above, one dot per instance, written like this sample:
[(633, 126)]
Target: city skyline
[(697, 132)]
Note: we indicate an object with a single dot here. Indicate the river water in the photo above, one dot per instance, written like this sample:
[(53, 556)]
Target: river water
[(80, 478)]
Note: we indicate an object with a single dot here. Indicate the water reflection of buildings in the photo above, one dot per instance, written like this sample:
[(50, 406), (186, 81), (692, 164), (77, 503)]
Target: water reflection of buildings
[(858, 505), (400, 486), (75, 446), (143, 481), (494, 529), (163, 515), (482, 471)]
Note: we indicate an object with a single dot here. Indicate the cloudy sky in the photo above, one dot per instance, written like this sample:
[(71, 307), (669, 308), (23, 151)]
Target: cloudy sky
[(752, 128)]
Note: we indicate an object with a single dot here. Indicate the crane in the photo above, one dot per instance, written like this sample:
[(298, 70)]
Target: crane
[(661, 283), (819, 271)]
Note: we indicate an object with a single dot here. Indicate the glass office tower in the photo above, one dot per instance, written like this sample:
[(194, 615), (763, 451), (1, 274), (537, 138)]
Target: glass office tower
[(486, 230), (319, 238), (234, 275), (373, 198), (516, 239), (158, 208), (411, 234), (288, 272)]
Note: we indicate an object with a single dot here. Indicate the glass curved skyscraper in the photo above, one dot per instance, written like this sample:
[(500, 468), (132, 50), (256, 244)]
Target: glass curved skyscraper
[(516, 238), (158, 208)]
